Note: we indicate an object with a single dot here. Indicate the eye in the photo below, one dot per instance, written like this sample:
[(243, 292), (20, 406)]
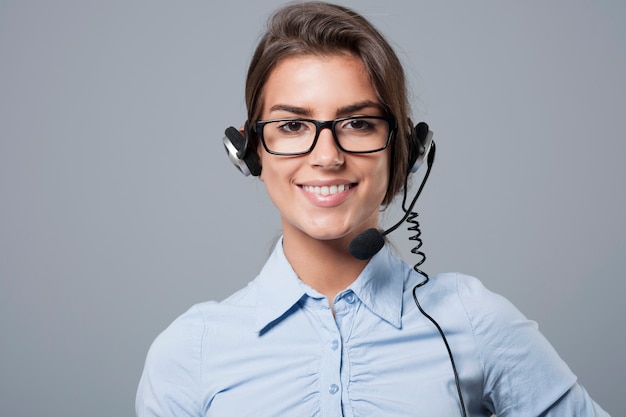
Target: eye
[(359, 125), (292, 127)]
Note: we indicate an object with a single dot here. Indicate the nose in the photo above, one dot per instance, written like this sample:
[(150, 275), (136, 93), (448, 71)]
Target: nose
[(326, 153)]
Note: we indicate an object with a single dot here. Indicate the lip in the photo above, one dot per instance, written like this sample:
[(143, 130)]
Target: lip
[(327, 193)]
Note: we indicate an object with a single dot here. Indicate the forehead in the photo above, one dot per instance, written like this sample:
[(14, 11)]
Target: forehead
[(318, 84)]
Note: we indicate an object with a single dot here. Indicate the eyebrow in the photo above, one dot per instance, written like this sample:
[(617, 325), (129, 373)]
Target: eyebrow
[(341, 112), (357, 107), (300, 111)]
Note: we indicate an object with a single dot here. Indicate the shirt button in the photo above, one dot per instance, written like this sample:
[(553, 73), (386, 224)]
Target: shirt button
[(333, 389), (334, 345), (350, 298)]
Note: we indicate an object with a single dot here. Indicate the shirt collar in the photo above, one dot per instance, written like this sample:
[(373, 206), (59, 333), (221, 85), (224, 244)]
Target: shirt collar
[(279, 289), (379, 286)]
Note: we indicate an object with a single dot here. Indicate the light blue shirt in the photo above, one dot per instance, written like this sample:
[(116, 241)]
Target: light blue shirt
[(275, 349)]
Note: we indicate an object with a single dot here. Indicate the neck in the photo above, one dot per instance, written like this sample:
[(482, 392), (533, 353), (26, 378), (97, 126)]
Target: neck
[(325, 265)]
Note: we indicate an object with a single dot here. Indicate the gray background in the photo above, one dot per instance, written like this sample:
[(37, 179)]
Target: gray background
[(119, 208)]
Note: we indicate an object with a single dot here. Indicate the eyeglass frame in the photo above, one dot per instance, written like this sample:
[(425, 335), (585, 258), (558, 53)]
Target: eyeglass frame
[(319, 126)]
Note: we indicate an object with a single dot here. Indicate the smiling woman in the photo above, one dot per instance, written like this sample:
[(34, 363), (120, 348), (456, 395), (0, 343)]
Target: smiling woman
[(319, 331), (324, 88)]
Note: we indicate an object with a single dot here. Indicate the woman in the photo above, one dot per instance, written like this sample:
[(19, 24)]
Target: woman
[(320, 331)]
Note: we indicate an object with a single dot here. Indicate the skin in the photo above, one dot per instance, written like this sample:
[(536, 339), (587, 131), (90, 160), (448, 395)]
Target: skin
[(317, 229)]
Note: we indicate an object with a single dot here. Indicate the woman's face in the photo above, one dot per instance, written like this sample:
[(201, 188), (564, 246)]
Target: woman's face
[(325, 194)]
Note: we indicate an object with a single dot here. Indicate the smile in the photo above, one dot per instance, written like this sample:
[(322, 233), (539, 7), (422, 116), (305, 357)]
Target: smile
[(326, 189)]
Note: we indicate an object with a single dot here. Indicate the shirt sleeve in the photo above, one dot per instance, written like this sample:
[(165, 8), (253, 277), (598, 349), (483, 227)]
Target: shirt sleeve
[(170, 382), (523, 374)]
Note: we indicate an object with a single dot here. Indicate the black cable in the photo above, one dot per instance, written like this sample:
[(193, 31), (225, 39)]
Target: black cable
[(410, 216), (445, 341)]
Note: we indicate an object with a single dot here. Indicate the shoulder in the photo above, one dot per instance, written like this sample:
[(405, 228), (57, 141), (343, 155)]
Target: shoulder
[(461, 284), (179, 345), (510, 348), (478, 302), (494, 322), (172, 373), (187, 332), (185, 335), (174, 376), (465, 305)]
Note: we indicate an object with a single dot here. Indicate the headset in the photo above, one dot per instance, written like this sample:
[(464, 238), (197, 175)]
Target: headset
[(237, 147)]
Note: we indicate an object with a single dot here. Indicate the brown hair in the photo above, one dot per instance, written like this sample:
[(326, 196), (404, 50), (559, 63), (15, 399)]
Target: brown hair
[(318, 28)]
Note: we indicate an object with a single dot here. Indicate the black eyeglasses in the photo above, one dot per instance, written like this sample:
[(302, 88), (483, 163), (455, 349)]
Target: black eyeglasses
[(357, 134)]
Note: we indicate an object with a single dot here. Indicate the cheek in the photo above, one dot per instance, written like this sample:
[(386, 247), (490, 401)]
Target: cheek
[(276, 171), (384, 171), (389, 177)]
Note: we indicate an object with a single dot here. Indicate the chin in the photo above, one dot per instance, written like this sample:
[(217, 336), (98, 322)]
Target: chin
[(328, 236), (330, 233), (328, 229)]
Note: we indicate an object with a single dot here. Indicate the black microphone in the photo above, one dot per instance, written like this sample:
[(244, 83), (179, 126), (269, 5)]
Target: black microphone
[(367, 244)]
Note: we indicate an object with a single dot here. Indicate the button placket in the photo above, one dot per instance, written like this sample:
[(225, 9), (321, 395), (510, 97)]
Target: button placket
[(346, 309), (330, 366)]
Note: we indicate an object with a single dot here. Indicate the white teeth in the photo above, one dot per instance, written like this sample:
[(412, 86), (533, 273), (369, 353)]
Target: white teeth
[(325, 189)]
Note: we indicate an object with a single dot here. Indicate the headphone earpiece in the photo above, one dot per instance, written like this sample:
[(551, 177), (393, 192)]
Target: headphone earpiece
[(236, 146), (420, 143)]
